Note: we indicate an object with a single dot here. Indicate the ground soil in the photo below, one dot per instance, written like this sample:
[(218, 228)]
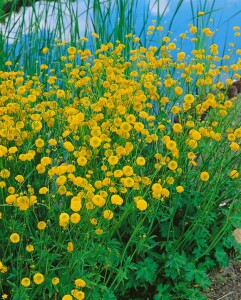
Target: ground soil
[(226, 283)]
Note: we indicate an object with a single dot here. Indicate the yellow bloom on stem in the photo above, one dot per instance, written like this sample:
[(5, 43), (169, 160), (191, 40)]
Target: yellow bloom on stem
[(141, 204), (234, 174), (172, 165), (108, 214), (25, 282), (38, 278), (75, 218), (14, 238), (30, 248), (204, 176), (95, 141), (234, 146), (69, 146), (140, 161), (98, 200), (45, 50), (41, 225), (113, 160), (179, 189), (70, 247), (55, 280), (116, 199)]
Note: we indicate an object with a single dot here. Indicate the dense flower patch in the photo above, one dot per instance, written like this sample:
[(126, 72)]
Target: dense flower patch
[(102, 195)]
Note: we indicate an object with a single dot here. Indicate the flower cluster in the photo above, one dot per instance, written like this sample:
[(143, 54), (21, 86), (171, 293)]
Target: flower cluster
[(81, 153)]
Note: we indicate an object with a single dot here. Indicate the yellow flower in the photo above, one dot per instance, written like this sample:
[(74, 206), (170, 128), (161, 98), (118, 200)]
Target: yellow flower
[(128, 182), (36, 126), (71, 50), (193, 29), (55, 280), (52, 142), (60, 93), (61, 180), (25, 282), (165, 192), (80, 283), (170, 180), (98, 231), (38, 278), (191, 155), (234, 146), (3, 150), (116, 199), (75, 218), (39, 143), (192, 144), (30, 248), (93, 221), (41, 225), (177, 128), (43, 190), (98, 200), (89, 205), (156, 187), (64, 217), (171, 145), (108, 214), (70, 247), (5, 173), (127, 170), (81, 161), (68, 146), (113, 160), (172, 165), (95, 35), (204, 176), (46, 161), (234, 174), (14, 238), (45, 50), (95, 141), (195, 135), (62, 190), (237, 132), (118, 173), (179, 189), (19, 178), (140, 161), (189, 98), (76, 204), (141, 204), (40, 168)]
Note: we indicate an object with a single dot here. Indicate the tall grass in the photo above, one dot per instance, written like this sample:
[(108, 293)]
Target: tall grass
[(113, 20)]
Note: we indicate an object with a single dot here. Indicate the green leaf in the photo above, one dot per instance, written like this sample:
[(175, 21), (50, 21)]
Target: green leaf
[(146, 270), (221, 256), (108, 295), (197, 275), (174, 265), (163, 292)]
